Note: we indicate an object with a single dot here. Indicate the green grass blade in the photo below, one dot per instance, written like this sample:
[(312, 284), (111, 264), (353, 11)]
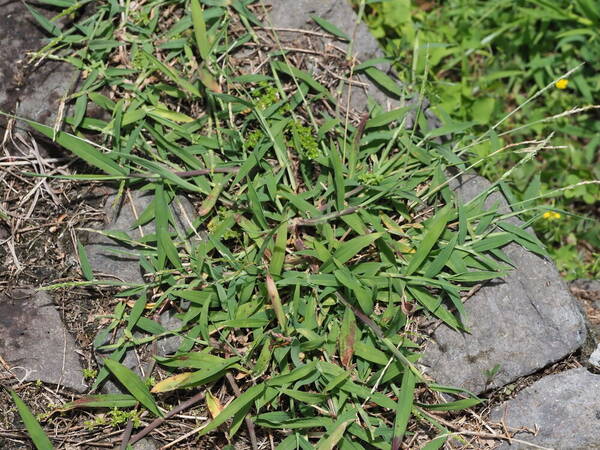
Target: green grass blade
[(526, 239), (243, 401), (388, 117), (436, 227), (133, 384), (80, 148), (276, 304), (279, 251), (84, 262), (330, 28), (347, 338), (338, 177), (441, 259), (331, 440), (46, 24), (349, 249), (200, 31), (384, 81), (34, 429), (404, 408), (166, 248), (173, 75)]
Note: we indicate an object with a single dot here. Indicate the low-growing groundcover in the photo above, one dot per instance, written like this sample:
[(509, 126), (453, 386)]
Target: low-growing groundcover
[(478, 59), (323, 243)]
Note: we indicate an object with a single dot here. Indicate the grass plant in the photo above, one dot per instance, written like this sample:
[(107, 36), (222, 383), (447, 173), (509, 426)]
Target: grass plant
[(322, 244), (482, 58)]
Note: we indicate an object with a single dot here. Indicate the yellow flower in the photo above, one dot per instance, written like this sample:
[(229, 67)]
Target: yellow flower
[(562, 83), (551, 215)]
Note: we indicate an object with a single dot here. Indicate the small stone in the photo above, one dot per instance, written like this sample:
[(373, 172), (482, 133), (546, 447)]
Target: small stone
[(111, 257), (35, 343), (595, 358), (169, 344), (565, 407), (146, 444)]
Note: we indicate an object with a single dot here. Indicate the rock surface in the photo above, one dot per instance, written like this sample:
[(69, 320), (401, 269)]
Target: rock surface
[(522, 323), (35, 343), (565, 407), (34, 93), (297, 14), (113, 258)]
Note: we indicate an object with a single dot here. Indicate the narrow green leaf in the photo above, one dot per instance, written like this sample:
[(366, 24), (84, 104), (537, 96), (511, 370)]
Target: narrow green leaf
[(329, 27), (173, 75), (80, 108), (46, 24), (350, 249), (302, 76), (84, 262), (338, 177), (80, 148), (388, 117), (384, 81), (441, 259), (166, 248), (310, 398), (273, 294), (278, 256), (404, 408), (454, 128), (34, 429), (133, 384), (294, 375), (436, 443), (455, 405), (209, 202), (434, 306), (362, 294), (526, 239), (239, 403), (492, 241), (331, 440), (255, 205), (200, 30), (436, 227)]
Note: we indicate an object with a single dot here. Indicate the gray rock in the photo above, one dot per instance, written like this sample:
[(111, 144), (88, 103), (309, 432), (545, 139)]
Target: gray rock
[(521, 323), (595, 358), (34, 341), (296, 14), (565, 407), (34, 93), (170, 344), (146, 444), (112, 257)]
